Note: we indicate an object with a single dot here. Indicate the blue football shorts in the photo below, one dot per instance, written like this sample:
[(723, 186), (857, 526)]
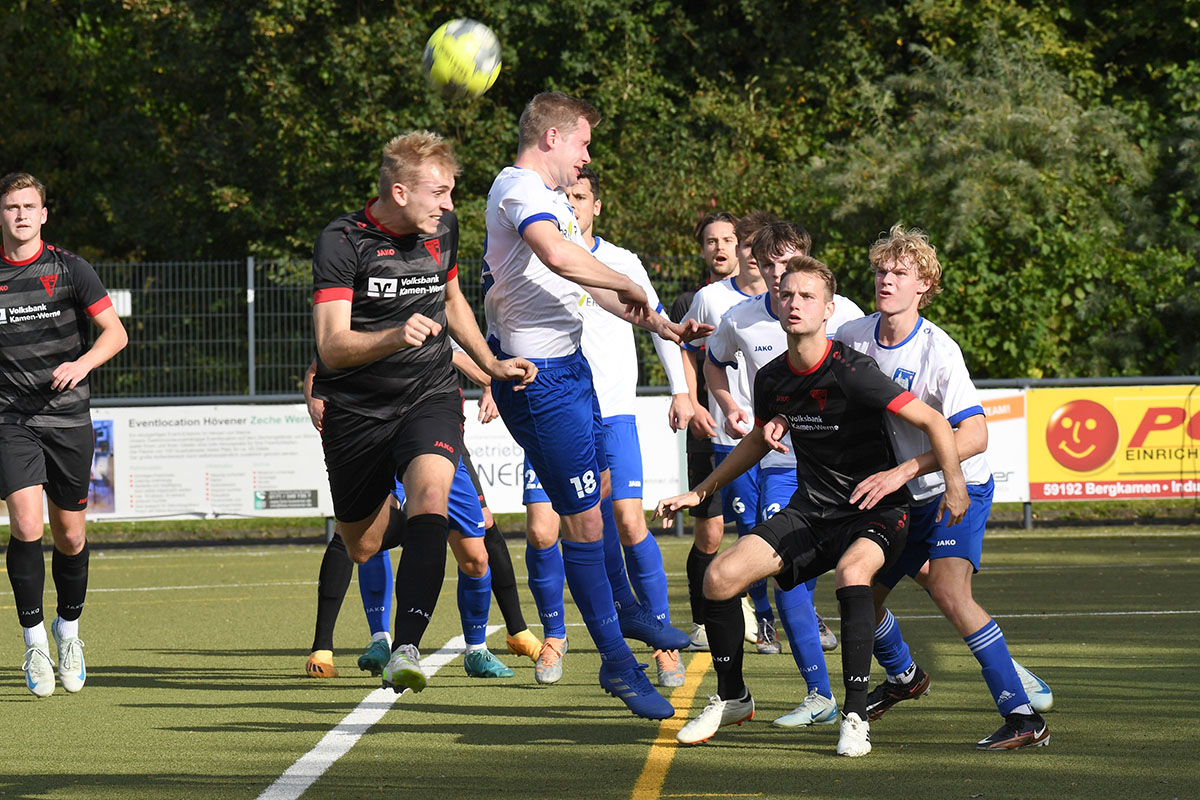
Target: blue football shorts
[(740, 498), (929, 539), (556, 419), (463, 509)]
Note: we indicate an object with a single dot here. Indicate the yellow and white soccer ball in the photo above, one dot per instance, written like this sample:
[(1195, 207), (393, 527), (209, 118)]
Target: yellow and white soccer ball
[(462, 58)]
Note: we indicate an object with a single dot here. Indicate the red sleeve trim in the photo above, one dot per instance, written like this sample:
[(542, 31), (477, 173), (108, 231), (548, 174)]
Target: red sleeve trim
[(901, 400), (100, 306), (336, 293), (452, 274)]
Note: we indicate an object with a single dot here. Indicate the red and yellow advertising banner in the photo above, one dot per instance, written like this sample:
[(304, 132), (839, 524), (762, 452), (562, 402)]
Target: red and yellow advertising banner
[(1114, 442)]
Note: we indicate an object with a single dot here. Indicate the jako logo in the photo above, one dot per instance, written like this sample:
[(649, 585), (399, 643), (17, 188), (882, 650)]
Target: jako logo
[(946, 543), (762, 348), (386, 251), (443, 445)]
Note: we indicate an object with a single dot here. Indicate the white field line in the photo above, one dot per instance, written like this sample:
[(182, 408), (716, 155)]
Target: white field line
[(335, 744)]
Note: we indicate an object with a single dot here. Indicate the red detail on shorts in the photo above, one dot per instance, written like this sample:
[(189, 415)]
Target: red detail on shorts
[(444, 446), (84, 500), (103, 304), (49, 281), (434, 246), (902, 399), (335, 293), (821, 396)]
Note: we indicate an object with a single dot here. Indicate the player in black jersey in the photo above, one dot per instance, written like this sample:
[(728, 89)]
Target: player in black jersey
[(47, 296), (832, 400), (386, 299)]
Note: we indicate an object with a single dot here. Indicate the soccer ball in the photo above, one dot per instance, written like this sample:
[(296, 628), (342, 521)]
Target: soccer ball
[(462, 58)]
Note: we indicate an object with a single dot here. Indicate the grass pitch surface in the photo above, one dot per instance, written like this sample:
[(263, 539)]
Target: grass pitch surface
[(196, 689)]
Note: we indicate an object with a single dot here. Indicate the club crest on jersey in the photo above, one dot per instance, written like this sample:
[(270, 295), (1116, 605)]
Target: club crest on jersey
[(49, 281), (434, 246), (820, 395), (904, 377), (381, 287)]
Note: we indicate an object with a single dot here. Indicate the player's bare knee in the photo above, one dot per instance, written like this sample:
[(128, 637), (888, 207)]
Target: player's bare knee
[(473, 566)]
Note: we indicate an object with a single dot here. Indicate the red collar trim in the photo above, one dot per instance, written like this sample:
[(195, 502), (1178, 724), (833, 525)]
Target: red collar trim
[(814, 367), (377, 223), (30, 260)]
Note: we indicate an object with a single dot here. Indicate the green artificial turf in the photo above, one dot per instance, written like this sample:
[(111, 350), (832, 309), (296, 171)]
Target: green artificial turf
[(195, 689)]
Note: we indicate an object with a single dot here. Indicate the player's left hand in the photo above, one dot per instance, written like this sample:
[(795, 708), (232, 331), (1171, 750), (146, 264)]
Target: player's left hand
[(773, 433), (487, 406), (680, 413), (876, 487), (517, 369), (954, 505), (68, 375), (666, 509)]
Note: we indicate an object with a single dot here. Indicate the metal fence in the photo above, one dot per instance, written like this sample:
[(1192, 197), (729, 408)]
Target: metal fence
[(233, 331)]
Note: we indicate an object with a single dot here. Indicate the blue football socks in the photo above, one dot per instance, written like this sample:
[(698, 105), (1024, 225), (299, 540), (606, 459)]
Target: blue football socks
[(546, 577), (800, 623)]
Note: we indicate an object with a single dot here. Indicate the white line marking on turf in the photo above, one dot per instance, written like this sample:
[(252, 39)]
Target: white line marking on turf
[(335, 744)]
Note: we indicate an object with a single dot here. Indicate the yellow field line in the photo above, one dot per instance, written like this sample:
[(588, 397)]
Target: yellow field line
[(650, 782)]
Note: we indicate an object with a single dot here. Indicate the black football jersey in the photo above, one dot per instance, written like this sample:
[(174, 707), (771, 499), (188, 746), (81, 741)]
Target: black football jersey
[(836, 415), (45, 305), (387, 278)]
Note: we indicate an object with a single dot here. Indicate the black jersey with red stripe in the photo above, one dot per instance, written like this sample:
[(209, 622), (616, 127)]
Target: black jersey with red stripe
[(387, 278), (835, 411), (45, 304)]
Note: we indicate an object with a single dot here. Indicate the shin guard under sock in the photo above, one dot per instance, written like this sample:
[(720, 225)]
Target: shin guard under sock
[(726, 630), (419, 577), (474, 601), (504, 580), (546, 580), (857, 604), (644, 563), (697, 565), (583, 563), (614, 560), (800, 623), (27, 574), (375, 588), (334, 580)]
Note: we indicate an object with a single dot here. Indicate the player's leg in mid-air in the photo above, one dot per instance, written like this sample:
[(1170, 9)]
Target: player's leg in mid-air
[(952, 558), (777, 485), (564, 448), (740, 502), (640, 570)]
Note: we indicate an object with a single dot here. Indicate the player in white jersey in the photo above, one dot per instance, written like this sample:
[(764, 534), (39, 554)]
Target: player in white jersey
[(751, 329), (609, 348), (538, 267), (739, 500), (922, 358)]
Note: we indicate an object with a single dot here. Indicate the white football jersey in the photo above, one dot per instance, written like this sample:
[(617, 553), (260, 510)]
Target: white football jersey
[(608, 339), (844, 310), (708, 306), (531, 309), (930, 365)]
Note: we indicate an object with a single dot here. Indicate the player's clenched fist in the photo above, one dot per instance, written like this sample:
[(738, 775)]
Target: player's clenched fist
[(416, 329)]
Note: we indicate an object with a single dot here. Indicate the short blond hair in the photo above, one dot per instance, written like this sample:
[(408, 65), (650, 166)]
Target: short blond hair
[(16, 181), (553, 110), (911, 244), (404, 156), (807, 265)]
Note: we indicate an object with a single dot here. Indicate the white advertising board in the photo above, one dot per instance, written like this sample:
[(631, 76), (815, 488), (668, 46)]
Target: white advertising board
[(1008, 447)]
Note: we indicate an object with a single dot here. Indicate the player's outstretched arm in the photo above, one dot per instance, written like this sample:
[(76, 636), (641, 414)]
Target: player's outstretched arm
[(465, 330), (341, 348), (748, 452), (941, 437), (112, 340), (970, 438)]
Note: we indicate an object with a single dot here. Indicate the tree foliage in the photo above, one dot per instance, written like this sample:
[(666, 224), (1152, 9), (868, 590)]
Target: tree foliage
[(1051, 149)]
